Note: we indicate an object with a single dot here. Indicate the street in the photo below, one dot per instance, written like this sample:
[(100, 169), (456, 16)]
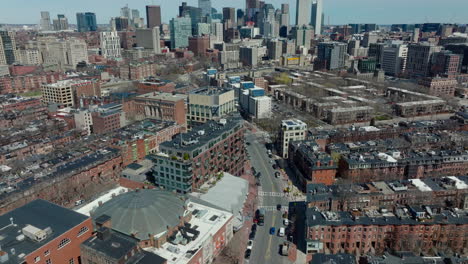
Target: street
[(266, 247)]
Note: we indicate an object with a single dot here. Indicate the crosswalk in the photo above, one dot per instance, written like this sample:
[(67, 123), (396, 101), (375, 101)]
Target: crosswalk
[(271, 194), (274, 209)]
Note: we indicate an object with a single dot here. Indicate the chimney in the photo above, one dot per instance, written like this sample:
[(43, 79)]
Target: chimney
[(103, 233)]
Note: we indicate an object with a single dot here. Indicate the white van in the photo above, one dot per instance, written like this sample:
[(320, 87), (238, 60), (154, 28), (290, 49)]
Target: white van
[(281, 232)]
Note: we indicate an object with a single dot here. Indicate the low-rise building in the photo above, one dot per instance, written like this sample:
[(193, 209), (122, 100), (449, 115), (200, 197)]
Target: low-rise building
[(311, 164), (42, 232), (411, 228), (441, 192), (176, 228), (162, 106)]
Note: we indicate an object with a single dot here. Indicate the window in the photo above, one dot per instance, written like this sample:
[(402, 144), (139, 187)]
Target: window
[(48, 261), (63, 243), (71, 261), (37, 259), (47, 253), (83, 230)]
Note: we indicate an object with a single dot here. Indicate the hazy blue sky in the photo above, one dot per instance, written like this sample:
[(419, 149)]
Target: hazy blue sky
[(339, 11)]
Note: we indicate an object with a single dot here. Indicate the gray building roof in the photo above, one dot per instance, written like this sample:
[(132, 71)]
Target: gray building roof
[(143, 212), (333, 259), (40, 214)]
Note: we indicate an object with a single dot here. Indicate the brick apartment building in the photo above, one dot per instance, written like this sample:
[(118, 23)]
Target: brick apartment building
[(137, 71), (313, 165), (69, 180), (367, 167), (440, 86), (161, 106), (140, 139), (414, 228), (199, 44), (27, 83), (42, 232), (193, 158), (448, 191)]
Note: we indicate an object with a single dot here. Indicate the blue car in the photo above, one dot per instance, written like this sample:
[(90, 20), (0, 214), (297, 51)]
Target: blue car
[(272, 231)]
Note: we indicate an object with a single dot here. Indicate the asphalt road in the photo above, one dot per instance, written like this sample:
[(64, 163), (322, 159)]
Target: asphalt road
[(266, 247)]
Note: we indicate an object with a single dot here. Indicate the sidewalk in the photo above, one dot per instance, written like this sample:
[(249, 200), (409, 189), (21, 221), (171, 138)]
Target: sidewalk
[(235, 250)]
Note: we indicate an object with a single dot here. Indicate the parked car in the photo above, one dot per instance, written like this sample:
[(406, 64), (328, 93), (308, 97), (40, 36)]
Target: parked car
[(277, 174), (285, 221), (272, 231), (247, 253), (250, 244), (281, 231), (79, 202), (252, 235), (254, 227), (278, 207)]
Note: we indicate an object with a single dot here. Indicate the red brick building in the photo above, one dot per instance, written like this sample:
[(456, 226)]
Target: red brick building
[(161, 106), (199, 44), (22, 69), (140, 139), (440, 86), (71, 180), (408, 229), (27, 83), (43, 232), (137, 71), (313, 165)]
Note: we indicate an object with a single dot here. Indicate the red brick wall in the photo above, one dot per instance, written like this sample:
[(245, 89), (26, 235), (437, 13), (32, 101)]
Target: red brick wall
[(69, 251)]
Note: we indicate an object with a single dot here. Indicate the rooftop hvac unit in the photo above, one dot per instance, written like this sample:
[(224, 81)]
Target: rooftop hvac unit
[(34, 233)]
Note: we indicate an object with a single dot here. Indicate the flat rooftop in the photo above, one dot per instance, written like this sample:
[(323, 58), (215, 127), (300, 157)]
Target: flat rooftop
[(163, 96), (87, 208), (207, 220), (40, 214)]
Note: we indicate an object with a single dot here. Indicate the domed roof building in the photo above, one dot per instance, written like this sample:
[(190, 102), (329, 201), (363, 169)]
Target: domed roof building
[(145, 214)]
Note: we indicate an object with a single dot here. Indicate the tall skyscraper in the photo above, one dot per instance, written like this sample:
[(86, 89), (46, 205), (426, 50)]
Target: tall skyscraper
[(317, 16), (229, 16), (149, 38), (120, 24), (394, 59), (419, 59), (86, 22), (303, 12), (126, 12), (181, 30), (8, 52), (153, 16), (240, 17), (331, 55), (205, 6), (252, 7), (303, 36), (45, 21), (110, 45), (61, 23)]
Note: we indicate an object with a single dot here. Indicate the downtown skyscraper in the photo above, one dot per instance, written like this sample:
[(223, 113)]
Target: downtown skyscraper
[(317, 16), (86, 22), (205, 6), (153, 16), (303, 12)]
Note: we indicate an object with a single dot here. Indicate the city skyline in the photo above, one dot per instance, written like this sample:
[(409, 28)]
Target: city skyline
[(336, 11)]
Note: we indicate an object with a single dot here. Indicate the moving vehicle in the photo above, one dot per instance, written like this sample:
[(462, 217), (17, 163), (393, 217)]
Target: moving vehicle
[(261, 216), (272, 231), (250, 244), (281, 231), (285, 248)]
